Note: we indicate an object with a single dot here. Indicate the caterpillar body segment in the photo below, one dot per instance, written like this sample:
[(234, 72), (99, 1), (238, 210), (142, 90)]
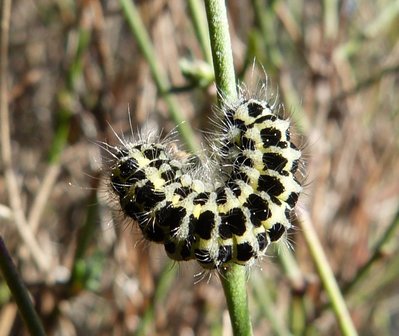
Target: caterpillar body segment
[(234, 218)]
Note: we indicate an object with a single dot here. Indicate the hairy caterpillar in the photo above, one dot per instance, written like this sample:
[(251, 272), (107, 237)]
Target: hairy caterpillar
[(231, 219)]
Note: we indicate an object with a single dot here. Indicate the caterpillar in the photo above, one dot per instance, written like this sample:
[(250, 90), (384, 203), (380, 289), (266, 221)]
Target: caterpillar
[(228, 208)]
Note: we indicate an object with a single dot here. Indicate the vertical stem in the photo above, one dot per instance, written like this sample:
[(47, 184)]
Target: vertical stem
[(84, 237), (19, 292), (331, 19), (200, 29), (233, 277), (377, 254), (24, 230), (221, 48), (144, 43), (327, 276)]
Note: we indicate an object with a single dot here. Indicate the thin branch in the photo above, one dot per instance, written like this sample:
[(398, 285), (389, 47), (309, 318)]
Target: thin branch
[(19, 292), (138, 30), (42, 196), (378, 253), (326, 275), (233, 276), (221, 48), (40, 258), (200, 28)]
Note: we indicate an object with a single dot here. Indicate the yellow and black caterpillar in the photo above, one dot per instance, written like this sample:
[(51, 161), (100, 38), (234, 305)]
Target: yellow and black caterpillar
[(216, 220)]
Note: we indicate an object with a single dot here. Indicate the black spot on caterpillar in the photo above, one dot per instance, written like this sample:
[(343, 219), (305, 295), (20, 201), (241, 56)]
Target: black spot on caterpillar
[(231, 218)]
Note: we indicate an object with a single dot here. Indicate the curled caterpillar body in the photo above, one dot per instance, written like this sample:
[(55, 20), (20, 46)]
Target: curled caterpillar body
[(231, 220)]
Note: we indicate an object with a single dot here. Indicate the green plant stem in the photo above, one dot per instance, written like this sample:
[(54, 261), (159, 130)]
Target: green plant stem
[(379, 283), (264, 16), (292, 270), (10, 177), (381, 22), (233, 277), (327, 277), (265, 300), (377, 254), (222, 53), (19, 292), (66, 96), (367, 82), (331, 18), (196, 12), (164, 283), (144, 43), (298, 287), (84, 237)]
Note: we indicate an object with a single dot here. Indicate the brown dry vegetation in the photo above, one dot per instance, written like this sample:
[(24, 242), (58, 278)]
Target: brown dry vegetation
[(75, 69)]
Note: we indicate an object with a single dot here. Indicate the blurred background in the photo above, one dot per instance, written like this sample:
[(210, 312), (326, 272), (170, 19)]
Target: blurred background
[(75, 70)]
